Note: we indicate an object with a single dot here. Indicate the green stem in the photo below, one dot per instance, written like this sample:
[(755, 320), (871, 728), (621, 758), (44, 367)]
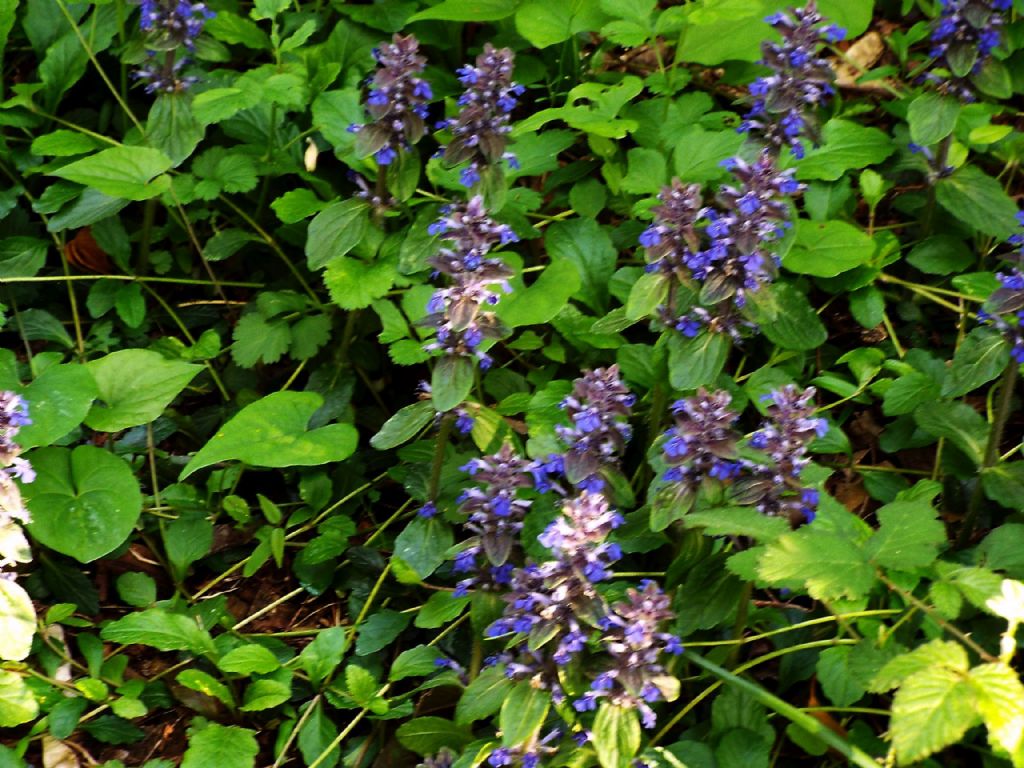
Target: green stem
[(795, 715), (995, 437), (148, 215), (447, 421)]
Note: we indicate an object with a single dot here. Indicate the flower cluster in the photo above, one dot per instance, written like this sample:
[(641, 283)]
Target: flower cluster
[(598, 408), (480, 130), (702, 446), (396, 102), (635, 644), (556, 604), (754, 213), (671, 240), (800, 79), (459, 312), (963, 38), (774, 487), (495, 517), (1004, 309), (170, 25), (13, 545), (526, 755)]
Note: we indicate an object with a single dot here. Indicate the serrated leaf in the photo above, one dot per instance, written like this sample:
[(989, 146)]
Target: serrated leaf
[(257, 340), (909, 536), (224, 746), (1000, 698), (845, 145), (355, 284), (931, 710), (837, 679), (934, 654), (829, 565)]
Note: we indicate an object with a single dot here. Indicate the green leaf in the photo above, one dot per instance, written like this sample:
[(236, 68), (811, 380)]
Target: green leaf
[(297, 205), (355, 284), (451, 382), (724, 30), (616, 735), (932, 118), (160, 629), (219, 104), (17, 621), (131, 173), (994, 79), (545, 298), (135, 386), (172, 128), (544, 24), (420, 661), (429, 735), (828, 248), (1000, 699), (941, 255), (206, 684), (317, 735), (256, 339), (467, 10), (523, 713), (936, 654), (321, 657), (64, 143), (696, 362), (698, 155), (265, 694), (380, 630), (224, 746), (22, 256), (829, 565), (796, 326), (648, 292), (17, 704), (957, 422), (584, 243), (840, 683), (423, 544), (271, 432), (845, 145), (247, 660), (483, 696), (979, 359), (1004, 483), (335, 231), (737, 521), (231, 28), (59, 400), (84, 502), (404, 425), (136, 589), (978, 200), (932, 709), (646, 171), (909, 536), (440, 608)]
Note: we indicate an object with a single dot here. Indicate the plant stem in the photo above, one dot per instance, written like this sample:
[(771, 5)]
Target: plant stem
[(995, 437), (447, 421), (795, 715)]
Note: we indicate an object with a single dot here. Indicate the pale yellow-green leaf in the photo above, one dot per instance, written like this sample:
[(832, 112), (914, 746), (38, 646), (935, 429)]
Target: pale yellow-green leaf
[(932, 709), (17, 621), (1000, 697)]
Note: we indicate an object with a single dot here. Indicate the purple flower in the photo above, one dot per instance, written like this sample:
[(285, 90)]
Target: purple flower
[(170, 26), (800, 80), (396, 102), (963, 38), (462, 313), (671, 241), (1004, 309), (480, 130), (598, 408), (701, 447), (634, 644), (774, 486), (13, 416)]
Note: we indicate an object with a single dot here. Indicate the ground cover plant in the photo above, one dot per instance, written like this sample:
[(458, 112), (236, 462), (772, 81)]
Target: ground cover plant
[(496, 383)]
